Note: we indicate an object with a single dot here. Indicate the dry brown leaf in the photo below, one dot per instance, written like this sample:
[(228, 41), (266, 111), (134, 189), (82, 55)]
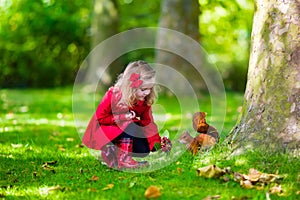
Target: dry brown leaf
[(95, 178), (238, 177), (226, 179), (61, 149), (49, 165), (53, 162), (254, 175), (269, 178), (275, 190), (212, 197), (179, 170), (211, 171), (92, 189), (45, 166), (54, 188), (55, 133), (108, 187), (152, 192), (246, 184), (79, 146), (261, 187)]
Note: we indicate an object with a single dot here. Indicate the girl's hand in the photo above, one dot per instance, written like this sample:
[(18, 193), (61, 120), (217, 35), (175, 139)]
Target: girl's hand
[(124, 116), (166, 144), (130, 115)]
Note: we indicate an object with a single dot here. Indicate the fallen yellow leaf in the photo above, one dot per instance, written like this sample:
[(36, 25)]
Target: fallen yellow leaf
[(47, 190), (108, 187), (92, 190), (17, 145), (275, 190), (246, 184), (212, 197), (95, 178), (70, 139), (238, 177), (211, 171), (152, 192), (179, 170), (253, 175)]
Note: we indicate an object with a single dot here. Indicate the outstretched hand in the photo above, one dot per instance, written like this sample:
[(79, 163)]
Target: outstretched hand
[(166, 144)]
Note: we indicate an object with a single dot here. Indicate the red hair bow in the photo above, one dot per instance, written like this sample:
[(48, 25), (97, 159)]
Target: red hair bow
[(135, 80)]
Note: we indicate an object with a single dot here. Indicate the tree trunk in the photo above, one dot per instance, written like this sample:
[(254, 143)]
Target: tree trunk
[(180, 16), (105, 23), (271, 110)]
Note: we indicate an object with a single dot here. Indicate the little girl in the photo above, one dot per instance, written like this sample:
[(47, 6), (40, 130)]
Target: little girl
[(123, 125)]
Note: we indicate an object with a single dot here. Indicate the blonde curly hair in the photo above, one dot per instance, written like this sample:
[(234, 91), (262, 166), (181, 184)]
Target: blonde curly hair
[(123, 82)]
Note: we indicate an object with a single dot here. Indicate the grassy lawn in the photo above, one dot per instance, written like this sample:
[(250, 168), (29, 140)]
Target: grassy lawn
[(42, 156)]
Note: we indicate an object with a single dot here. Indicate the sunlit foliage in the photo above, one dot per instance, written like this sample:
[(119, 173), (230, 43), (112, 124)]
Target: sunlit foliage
[(225, 28), (42, 42)]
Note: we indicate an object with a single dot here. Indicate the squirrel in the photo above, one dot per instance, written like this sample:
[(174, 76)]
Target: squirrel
[(200, 125), (203, 141), (207, 138)]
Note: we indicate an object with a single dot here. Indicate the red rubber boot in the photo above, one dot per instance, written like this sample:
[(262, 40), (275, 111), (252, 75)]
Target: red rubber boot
[(109, 155), (124, 154)]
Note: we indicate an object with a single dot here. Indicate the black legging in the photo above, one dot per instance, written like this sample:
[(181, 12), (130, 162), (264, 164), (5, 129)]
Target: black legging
[(140, 146)]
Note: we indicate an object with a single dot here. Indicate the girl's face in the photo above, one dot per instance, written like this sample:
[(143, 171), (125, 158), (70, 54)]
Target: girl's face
[(145, 89)]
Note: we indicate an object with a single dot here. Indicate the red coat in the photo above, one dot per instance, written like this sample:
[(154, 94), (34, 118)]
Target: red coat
[(109, 121)]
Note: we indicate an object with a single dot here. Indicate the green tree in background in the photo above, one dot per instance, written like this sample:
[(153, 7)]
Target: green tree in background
[(42, 42), (109, 18), (181, 16), (225, 31), (105, 23)]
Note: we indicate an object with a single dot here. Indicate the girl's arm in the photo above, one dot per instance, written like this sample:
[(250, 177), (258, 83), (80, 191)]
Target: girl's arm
[(104, 113)]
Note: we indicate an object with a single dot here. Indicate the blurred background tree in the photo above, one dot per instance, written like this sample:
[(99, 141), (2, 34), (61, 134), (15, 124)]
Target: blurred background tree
[(43, 42), (180, 16), (105, 23), (225, 29)]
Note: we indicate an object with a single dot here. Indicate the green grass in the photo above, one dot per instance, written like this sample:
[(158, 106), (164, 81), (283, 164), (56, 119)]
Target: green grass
[(42, 156)]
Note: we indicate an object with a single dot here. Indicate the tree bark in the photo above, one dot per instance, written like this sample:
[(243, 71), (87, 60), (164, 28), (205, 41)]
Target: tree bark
[(105, 23), (271, 110)]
